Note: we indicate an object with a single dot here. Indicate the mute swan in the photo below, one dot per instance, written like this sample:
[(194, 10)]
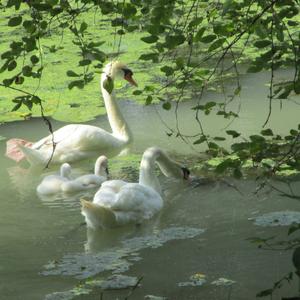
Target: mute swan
[(78, 141), (88, 181), (118, 202), (52, 184)]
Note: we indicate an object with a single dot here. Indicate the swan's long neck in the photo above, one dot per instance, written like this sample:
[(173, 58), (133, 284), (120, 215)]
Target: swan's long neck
[(147, 171), (116, 120), (169, 168), (100, 170)]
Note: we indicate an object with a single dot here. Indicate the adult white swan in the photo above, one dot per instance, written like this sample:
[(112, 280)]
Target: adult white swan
[(88, 181), (52, 184), (77, 141), (118, 202)]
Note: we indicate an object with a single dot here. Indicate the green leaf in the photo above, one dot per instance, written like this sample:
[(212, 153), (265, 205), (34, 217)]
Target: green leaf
[(208, 38), (294, 132), (174, 40), (17, 106), (150, 56), (199, 34), (202, 139), (36, 100), (179, 62), (255, 68), (195, 22), (262, 43), (77, 83), (149, 100), (12, 65), (150, 39), (257, 138), (212, 145), (237, 173), (224, 165), (137, 92), (216, 44), (27, 71), (84, 62), (108, 84), (29, 26), (19, 80), (167, 105), (71, 73), (267, 132), (292, 23), (167, 70), (83, 27), (129, 10), (15, 21), (30, 43), (233, 133), (34, 59), (219, 138)]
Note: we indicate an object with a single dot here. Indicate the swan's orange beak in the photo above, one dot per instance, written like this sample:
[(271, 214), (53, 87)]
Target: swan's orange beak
[(129, 78)]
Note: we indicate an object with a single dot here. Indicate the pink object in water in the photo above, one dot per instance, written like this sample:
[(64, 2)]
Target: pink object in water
[(13, 151)]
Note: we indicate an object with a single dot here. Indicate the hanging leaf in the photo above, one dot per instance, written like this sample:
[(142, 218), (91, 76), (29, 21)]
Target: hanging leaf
[(202, 139), (167, 70), (216, 44), (233, 133), (150, 39), (149, 99), (77, 83), (262, 43), (15, 21), (71, 73), (166, 105), (208, 38), (267, 132), (108, 84)]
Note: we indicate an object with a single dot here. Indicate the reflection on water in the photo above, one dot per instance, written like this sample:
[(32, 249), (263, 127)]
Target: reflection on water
[(44, 236)]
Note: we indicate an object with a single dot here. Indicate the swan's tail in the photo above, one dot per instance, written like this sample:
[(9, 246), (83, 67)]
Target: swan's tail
[(97, 216), (13, 148), (33, 156)]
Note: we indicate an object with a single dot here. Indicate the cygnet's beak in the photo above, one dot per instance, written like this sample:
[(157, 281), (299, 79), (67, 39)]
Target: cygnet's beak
[(129, 78)]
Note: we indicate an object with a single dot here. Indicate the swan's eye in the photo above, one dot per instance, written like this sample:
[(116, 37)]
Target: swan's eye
[(127, 72), (128, 76)]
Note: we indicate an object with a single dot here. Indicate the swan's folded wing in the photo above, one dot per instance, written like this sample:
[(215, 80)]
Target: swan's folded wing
[(138, 198)]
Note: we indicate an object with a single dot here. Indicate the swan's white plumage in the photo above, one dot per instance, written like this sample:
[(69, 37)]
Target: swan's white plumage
[(52, 184), (118, 202), (78, 141), (88, 181)]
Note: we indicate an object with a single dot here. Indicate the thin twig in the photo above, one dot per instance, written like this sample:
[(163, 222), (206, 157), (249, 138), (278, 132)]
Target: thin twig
[(134, 288)]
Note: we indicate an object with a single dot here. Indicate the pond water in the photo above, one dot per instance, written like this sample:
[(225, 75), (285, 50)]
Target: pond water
[(196, 248)]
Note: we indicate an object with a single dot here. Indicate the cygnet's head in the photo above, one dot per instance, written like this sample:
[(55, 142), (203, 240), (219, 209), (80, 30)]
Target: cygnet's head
[(65, 170), (101, 166), (117, 69)]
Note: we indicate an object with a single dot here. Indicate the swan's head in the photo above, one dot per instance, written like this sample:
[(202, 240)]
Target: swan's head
[(65, 170), (101, 166), (117, 69), (169, 167)]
